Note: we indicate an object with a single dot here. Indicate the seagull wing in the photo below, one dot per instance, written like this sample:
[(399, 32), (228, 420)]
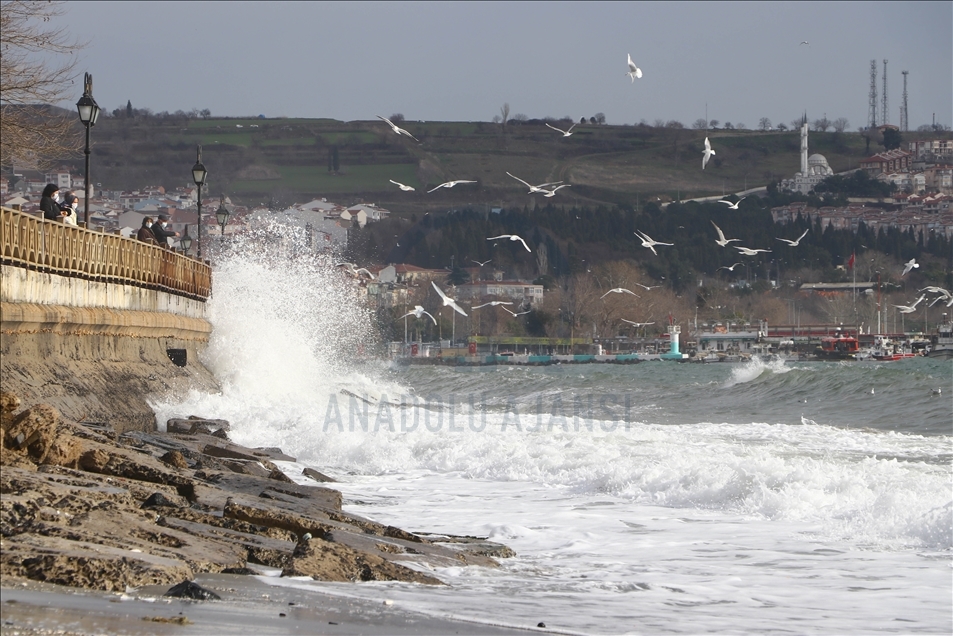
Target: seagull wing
[(707, 145), (803, 235), (632, 67), (431, 317), (442, 185), (520, 239), (401, 131), (557, 129), (390, 123), (729, 203), (788, 241), (440, 292), (721, 235), (520, 180), (456, 307), (570, 129), (502, 236)]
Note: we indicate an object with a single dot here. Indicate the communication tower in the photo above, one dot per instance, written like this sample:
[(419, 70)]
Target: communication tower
[(884, 112), (904, 116), (872, 110)]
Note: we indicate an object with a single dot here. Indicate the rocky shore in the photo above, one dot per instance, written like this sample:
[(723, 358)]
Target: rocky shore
[(85, 507)]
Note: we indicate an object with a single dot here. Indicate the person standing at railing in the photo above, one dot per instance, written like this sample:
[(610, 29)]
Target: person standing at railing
[(48, 203), (161, 233), (68, 209), (145, 232)]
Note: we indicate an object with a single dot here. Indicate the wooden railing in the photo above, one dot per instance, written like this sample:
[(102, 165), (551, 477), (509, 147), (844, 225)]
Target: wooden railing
[(51, 246)]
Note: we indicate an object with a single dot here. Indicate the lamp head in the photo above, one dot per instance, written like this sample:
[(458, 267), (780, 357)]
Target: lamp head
[(199, 173)]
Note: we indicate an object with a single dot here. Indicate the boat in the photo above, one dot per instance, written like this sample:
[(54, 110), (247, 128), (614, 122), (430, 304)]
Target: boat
[(942, 345), (838, 348)]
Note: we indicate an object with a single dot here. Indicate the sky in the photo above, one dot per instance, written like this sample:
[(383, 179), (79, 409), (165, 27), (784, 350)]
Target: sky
[(461, 61)]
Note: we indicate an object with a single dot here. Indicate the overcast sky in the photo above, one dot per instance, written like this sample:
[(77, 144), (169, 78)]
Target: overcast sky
[(459, 61)]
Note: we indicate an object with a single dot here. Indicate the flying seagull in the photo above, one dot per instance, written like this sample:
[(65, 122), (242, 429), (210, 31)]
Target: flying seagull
[(449, 184), (419, 313), (747, 251), (905, 309), (721, 240), (512, 237), (730, 269), (447, 301), (794, 243), (566, 133), (637, 324), (648, 242), (708, 152), (534, 188), (397, 129), (355, 271), (634, 71), (552, 193), (648, 287), (731, 206), (620, 290), (405, 188), (804, 42), (515, 314), (494, 303), (909, 265), (479, 263)]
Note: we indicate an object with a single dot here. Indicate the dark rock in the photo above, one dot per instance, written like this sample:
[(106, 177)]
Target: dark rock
[(397, 533), (221, 434), (242, 571), (324, 561), (228, 453), (315, 475), (178, 426), (540, 624), (188, 589), (175, 459), (278, 475), (158, 500)]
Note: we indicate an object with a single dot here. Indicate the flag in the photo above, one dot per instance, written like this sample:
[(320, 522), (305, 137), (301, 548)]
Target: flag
[(850, 263)]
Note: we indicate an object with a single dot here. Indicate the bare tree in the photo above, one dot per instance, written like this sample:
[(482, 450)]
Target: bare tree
[(659, 123), (822, 124), (841, 124), (37, 62), (700, 124), (797, 123), (600, 118), (764, 124), (713, 124), (505, 112), (520, 117)]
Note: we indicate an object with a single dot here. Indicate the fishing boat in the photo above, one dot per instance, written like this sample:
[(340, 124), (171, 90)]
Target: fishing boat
[(942, 345), (838, 348)]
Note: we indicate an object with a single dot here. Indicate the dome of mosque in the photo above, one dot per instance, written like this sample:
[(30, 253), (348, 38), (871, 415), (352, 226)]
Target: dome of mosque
[(817, 164)]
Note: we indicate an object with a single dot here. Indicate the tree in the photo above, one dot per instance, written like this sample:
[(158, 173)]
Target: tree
[(822, 124), (659, 123), (764, 124), (782, 127), (38, 61), (397, 118), (797, 123), (505, 112), (841, 124), (728, 126), (700, 124), (129, 108), (674, 123), (496, 119), (520, 118), (600, 118), (892, 139), (740, 126), (713, 124)]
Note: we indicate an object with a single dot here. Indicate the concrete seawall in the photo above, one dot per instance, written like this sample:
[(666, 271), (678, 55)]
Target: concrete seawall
[(99, 352)]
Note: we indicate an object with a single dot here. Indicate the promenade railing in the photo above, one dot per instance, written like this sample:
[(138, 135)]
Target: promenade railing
[(50, 246)]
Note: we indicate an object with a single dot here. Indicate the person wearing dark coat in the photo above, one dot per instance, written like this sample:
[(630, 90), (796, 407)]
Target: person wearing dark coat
[(162, 235), (145, 232), (48, 204)]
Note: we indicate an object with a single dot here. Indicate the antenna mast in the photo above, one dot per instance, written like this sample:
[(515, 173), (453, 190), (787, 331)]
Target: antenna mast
[(885, 113), (904, 113), (872, 110)]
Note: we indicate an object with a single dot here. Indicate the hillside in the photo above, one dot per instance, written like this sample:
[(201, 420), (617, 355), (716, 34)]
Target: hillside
[(257, 160)]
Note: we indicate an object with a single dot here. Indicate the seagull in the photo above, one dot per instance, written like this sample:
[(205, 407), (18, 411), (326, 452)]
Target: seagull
[(449, 184), (708, 152), (534, 188), (620, 290), (405, 188), (804, 42), (794, 243), (648, 242), (566, 133), (909, 309), (419, 313), (648, 287), (512, 237), (355, 271), (721, 240), (747, 251), (515, 314), (552, 193), (479, 263), (912, 263), (730, 269), (494, 303), (637, 324), (397, 129), (447, 301), (634, 71), (731, 206)]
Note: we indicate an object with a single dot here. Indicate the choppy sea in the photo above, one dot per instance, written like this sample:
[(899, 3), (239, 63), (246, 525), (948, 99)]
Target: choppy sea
[(801, 497)]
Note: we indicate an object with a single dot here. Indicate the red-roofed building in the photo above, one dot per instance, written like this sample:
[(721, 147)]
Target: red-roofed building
[(888, 161)]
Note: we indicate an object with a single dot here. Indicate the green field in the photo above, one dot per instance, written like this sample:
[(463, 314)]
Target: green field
[(354, 179)]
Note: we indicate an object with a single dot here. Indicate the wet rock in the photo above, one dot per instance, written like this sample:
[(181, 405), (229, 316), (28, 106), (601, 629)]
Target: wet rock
[(242, 571), (188, 589), (315, 475), (175, 459), (178, 426), (221, 434), (159, 500), (278, 475), (325, 561), (397, 533)]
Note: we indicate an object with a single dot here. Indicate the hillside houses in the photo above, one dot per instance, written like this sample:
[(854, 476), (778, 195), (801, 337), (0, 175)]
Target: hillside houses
[(922, 214)]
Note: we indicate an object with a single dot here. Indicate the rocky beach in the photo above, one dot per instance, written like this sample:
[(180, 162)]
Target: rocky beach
[(86, 512)]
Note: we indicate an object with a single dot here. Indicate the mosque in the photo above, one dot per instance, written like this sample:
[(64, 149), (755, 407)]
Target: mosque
[(814, 169)]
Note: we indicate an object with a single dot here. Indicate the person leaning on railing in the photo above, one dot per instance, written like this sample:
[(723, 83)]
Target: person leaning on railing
[(163, 235), (145, 233), (68, 209), (48, 203)]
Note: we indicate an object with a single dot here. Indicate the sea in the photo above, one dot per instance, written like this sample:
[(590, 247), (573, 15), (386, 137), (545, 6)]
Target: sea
[(756, 497)]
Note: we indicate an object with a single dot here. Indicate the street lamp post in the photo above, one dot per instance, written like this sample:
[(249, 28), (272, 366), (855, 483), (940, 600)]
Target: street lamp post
[(222, 214), (186, 241), (88, 114), (199, 175)]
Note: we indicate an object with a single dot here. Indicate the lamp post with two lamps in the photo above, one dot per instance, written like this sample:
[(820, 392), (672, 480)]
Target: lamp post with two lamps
[(199, 175), (222, 214), (88, 114)]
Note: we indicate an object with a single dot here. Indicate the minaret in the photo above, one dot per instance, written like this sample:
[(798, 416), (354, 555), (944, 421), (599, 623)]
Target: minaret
[(804, 149)]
